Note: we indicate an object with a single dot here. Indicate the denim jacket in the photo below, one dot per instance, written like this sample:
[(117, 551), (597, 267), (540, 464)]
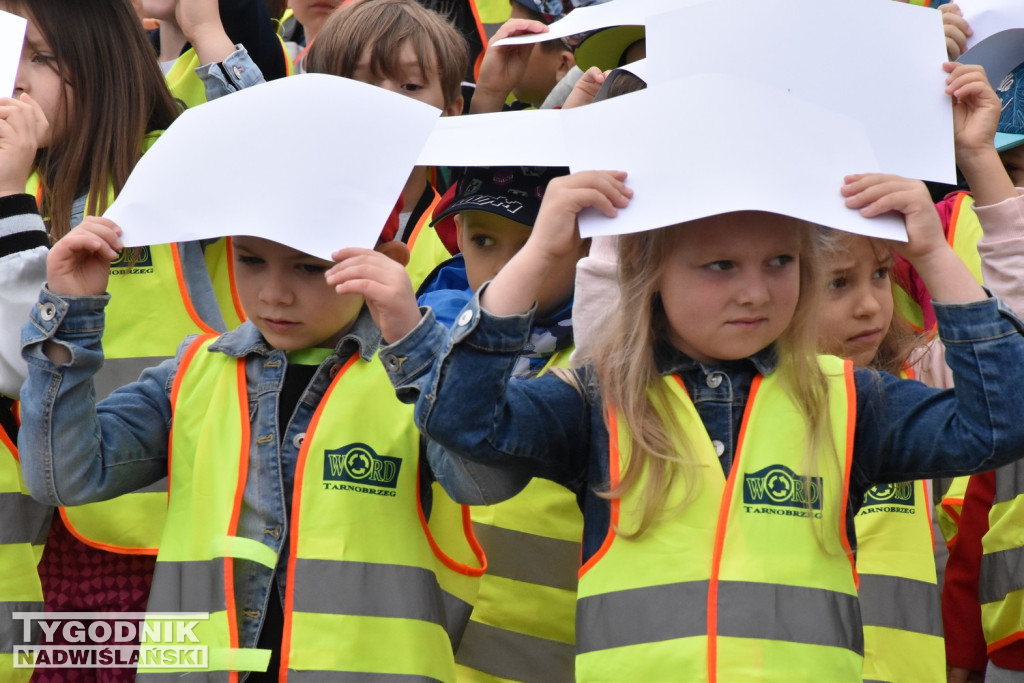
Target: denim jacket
[(76, 451), (544, 427)]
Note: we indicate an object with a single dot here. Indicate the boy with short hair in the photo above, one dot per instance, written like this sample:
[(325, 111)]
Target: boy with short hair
[(275, 516)]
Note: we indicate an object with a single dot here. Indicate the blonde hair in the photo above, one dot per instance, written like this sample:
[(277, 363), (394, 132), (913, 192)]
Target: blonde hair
[(630, 383)]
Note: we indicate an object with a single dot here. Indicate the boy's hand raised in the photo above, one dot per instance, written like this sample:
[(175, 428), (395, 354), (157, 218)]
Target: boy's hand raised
[(555, 238), (23, 130), (79, 263), (945, 275), (976, 107), (957, 30), (503, 66), (380, 278)]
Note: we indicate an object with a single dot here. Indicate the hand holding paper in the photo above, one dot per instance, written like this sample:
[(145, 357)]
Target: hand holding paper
[(23, 129)]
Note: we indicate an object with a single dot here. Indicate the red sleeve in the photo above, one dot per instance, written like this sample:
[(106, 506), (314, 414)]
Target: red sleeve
[(907, 278), (961, 613)]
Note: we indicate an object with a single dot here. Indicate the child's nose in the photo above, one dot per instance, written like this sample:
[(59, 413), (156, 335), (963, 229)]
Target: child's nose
[(754, 290), (867, 304), (275, 291)]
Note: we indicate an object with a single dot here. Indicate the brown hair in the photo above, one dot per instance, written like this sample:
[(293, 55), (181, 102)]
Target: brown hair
[(382, 26), (630, 382), (115, 95)]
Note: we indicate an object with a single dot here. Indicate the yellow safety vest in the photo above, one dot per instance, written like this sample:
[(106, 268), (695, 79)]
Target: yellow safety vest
[(425, 247), (185, 84), (369, 592), (149, 314), (523, 624), (948, 511), (220, 261), (1001, 582), (22, 535), (963, 235), (737, 586)]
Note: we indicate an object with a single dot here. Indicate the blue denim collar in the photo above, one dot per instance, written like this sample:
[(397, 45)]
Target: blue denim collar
[(364, 337), (671, 360)]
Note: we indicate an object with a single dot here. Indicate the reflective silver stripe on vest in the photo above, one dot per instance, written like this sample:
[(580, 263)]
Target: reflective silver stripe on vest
[(513, 554), (499, 652), (193, 586), (11, 630), (641, 615), (900, 603), (377, 590), (190, 677), (117, 372), (1009, 482), (1002, 573), (765, 611), (355, 677), (24, 519)]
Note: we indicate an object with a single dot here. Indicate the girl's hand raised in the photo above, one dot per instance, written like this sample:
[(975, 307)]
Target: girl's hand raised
[(23, 130), (945, 275), (79, 263)]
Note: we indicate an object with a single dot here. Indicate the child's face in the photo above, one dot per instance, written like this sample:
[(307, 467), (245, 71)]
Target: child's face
[(857, 311), (39, 76), (1013, 162), (312, 14), (489, 241), (730, 284), (544, 70), (284, 294), (419, 81)]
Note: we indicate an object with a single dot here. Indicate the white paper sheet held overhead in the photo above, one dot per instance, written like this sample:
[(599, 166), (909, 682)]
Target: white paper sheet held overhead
[(12, 36), (997, 40), (216, 171), (531, 137), (687, 162), (876, 60), (593, 17)]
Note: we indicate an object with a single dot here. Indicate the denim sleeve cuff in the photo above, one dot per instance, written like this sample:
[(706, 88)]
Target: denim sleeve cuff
[(409, 360), (75, 318), (484, 331), (976, 321), (235, 73)]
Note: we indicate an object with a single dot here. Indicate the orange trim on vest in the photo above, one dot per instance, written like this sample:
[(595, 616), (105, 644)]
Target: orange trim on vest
[(440, 554), (954, 217), (614, 467), (424, 219), (183, 290), (1013, 637), (236, 301), (110, 548), (5, 439), (483, 39), (720, 528), (296, 511), (851, 425), (186, 358), (232, 530)]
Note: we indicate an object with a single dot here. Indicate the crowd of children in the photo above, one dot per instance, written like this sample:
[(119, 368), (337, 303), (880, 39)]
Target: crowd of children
[(487, 449)]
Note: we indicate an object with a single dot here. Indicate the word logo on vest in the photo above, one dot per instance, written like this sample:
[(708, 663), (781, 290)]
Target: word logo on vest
[(133, 261), (897, 498), (357, 467), (778, 490)]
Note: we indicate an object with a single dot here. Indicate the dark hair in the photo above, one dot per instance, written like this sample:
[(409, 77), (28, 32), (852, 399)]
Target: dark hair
[(382, 26), (116, 95)]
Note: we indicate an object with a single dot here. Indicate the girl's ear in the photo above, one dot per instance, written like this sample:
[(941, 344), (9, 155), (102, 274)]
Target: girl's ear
[(396, 251)]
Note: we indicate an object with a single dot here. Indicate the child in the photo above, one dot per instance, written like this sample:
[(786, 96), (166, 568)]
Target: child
[(749, 578), (400, 46), (295, 477), (523, 622)]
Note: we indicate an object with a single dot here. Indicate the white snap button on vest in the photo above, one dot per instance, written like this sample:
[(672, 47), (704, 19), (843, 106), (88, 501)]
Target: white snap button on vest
[(465, 317), (719, 446), (47, 311), (299, 438), (715, 380)]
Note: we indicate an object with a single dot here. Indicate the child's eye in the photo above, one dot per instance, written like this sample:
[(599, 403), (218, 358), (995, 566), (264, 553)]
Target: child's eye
[(837, 283), (881, 274), (780, 260), (483, 241), (411, 87), (720, 265), (312, 268), (249, 260)]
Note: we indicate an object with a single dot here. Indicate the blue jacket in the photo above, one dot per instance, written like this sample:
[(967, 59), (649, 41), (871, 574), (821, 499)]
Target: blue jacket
[(544, 427)]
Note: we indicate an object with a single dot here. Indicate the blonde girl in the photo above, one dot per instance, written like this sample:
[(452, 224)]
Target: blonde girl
[(714, 454)]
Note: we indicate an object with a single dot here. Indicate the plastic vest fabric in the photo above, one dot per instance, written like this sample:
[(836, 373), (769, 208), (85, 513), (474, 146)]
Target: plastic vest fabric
[(739, 585), (963, 235), (948, 511), (523, 623), (149, 314), (1001, 581), (425, 247), (898, 589), (220, 261), (23, 530), (369, 591)]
